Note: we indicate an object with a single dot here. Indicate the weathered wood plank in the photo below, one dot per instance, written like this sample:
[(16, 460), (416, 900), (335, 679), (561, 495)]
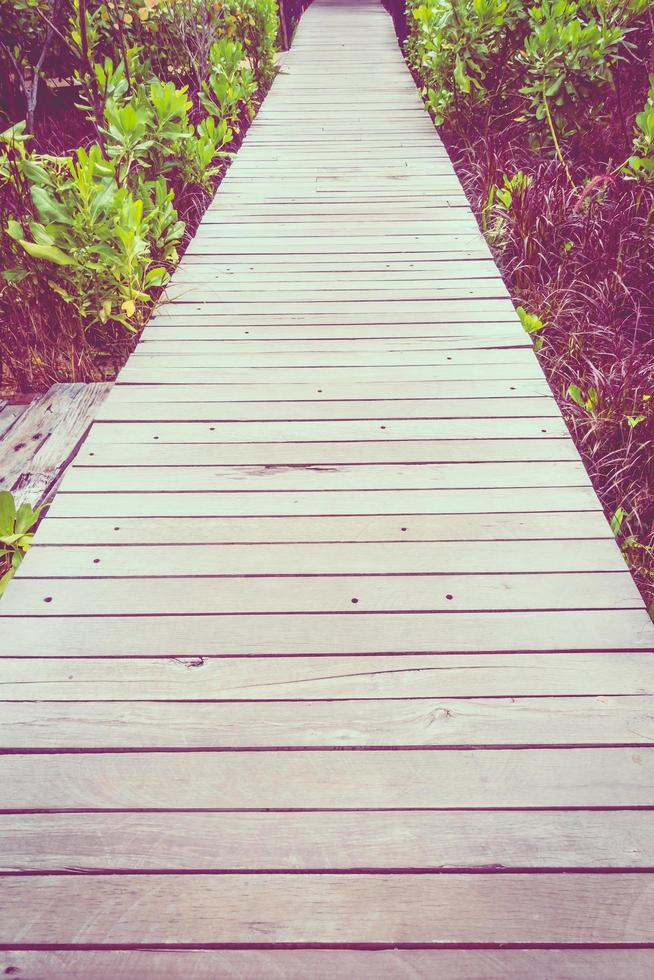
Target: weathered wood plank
[(159, 453), (357, 593), (42, 439), (296, 678), (337, 779), (411, 295), (407, 431), (170, 339), (336, 840), (517, 358), (470, 244), (424, 722), (518, 416), (294, 379), (325, 964), (94, 531), (311, 454), (472, 558), (392, 909), (447, 311), (466, 397), (9, 414), (319, 503), (452, 224), (326, 634), (321, 478)]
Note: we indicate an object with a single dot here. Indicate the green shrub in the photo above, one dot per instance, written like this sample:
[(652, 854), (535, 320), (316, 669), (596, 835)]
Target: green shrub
[(87, 238), (549, 65), (97, 234), (255, 23), (230, 85), (641, 164), (567, 59), (462, 49)]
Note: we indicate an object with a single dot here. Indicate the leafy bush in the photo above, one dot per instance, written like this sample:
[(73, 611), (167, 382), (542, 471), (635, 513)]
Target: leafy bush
[(88, 236), (551, 62), (567, 58), (641, 162), (99, 233), (229, 86), (463, 49), (546, 111)]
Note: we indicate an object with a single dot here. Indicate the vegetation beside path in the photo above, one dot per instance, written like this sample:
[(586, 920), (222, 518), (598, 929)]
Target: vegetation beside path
[(548, 113), (117, 121)]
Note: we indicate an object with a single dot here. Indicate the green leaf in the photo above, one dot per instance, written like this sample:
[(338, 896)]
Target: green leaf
[(15, 230), (592, 402), (7, 512), (36, 174), (574, 392), (6, 579), (49, 208), (14, 275), (26, 518), (460, 76), (9, 539), (48, 252), (530, 323), (617, 519), (156, 277)]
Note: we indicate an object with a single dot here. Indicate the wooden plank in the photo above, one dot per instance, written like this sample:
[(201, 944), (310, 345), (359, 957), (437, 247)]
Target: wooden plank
[(170, 338), (468, 435), (297, 678), (341, 278), (9, 414), (226, 208), (218, 389), (312, 453), (360, 558), (424, 722), (225, 213), (41, 441), (369, 382), (447, 311), (514, 358), (319, 503), (413, 295), (348, 841), (467, 244), (339, 283), (93, 531), (339, 779), (309, 293), (326, 634), (332, 964), (360, 593), (341, 230), (410, 476), (373, 909), (519, 415)]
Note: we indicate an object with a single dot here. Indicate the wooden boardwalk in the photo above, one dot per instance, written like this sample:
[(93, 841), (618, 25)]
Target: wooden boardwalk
[(326, 663)]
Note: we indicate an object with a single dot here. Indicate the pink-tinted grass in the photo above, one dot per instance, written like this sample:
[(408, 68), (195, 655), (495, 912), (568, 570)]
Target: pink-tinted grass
[(582, 259)]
